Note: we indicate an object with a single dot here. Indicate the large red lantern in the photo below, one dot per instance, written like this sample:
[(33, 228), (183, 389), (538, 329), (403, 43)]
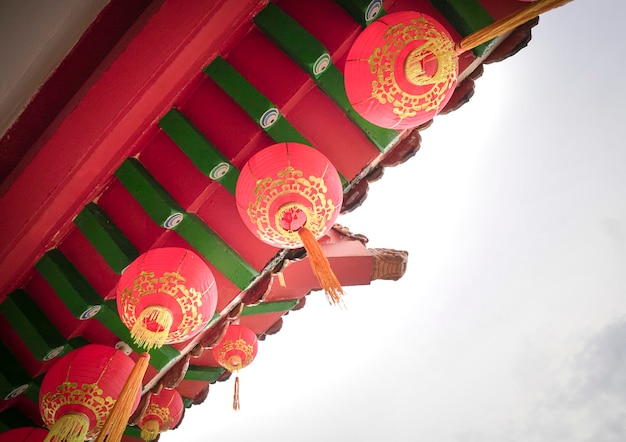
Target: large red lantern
[(402, 69), (79, 392), (164, 412), (289, 195), (166, 295), (24, 434), (235, 351)]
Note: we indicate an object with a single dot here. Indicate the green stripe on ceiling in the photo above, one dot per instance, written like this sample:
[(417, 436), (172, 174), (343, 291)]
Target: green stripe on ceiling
[(251, 100), (33, 389), (269, 307), (288, 35), (255, 104), (467, 17), (69, 284), (363, 11), (202, 373), (207, 158), (216, 251), (299, 44), (187, 402), (152, 197), (109, 317), (133, 431), (33, 326), (13, 378), (159, 205), (13, 418), (106, 238)]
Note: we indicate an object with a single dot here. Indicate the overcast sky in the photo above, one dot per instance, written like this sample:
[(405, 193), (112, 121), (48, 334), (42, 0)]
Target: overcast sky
[(509, 324)]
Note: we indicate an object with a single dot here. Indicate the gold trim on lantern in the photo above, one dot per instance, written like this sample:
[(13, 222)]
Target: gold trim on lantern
[(71, 427), (189, 299), (150, 430), (149, 339), (386, 89), (313, 189), (229, 345), (88, 395)]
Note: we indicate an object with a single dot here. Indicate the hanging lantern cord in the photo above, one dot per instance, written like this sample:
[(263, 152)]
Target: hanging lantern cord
[(507, 23)]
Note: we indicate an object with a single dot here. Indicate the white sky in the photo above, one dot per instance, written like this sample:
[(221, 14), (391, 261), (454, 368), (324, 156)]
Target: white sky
[(509, 324)]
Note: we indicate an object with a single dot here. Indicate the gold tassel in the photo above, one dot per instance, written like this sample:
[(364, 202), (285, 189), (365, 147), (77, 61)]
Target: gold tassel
[(71, 427), (321, 267), (508, 23), (149, 339), (115, 424), (236, 394), (150, 430)]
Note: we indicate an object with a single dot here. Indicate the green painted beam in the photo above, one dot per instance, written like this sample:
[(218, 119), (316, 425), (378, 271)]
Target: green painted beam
[(269, 307), (216, 251), (106, 238), (159, 205), (363, 11), (298, 43), (187, 402), (467, 17), (69, 284), (288, 35), (207, 158), (153, 198), (33, 326), (133, 431), (109, 317), (202, 373), (253, 102), (13, 378), (33, 389)]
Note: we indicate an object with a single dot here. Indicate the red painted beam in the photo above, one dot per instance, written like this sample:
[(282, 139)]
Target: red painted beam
[(138, 87)]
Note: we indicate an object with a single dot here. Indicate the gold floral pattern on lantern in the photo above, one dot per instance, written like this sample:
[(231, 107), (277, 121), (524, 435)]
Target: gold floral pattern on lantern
[(382, 64), (234, 362), (290, 181), (170, 283), (88, 395), (162, 413)]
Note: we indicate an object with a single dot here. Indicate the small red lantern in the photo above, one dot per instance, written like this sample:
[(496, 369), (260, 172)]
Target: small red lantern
[(401, 70), (24, 434), (166, 295), (290, 195), (79, 391), (164, 412), (236, 350)]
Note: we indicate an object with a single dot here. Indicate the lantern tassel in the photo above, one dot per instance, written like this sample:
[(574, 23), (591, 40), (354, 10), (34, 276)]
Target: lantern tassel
[(507, 23), (115, 424), (236, 404), (150, 430), (321, 267), (71, 427), (149, 339)]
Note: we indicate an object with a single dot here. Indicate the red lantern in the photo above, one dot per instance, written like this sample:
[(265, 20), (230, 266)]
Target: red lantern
[(24, 434), (166, 295), (79, 391), (289, 195), (164, 412), (236, 350), (401, 70)]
